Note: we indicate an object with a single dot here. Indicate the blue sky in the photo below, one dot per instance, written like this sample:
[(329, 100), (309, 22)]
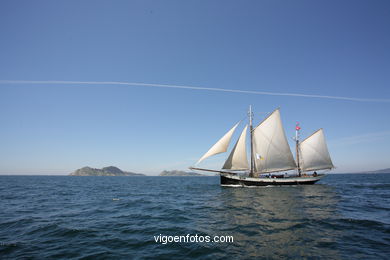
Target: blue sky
[(329, 48)]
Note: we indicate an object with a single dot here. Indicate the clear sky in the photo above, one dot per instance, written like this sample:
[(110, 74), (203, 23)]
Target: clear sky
[(328, 48)]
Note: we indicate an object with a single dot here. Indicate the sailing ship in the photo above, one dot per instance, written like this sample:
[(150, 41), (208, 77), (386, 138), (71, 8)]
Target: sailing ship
[(270, 156)]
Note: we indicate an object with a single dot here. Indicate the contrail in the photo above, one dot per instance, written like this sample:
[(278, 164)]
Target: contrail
[(153, 85)]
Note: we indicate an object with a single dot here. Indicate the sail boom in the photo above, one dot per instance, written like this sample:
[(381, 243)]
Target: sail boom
[(209, 170), (277, 170), (318, 169)]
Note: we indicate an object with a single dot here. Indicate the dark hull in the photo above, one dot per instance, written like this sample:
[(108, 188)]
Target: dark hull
[(225, 180)]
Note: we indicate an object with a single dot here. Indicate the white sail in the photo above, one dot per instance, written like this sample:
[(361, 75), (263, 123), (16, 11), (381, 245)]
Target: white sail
[(237, 159), (314, 154), (271, 150), (220, 146)]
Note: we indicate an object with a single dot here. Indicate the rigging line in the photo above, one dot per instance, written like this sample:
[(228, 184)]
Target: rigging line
[(139, 84)]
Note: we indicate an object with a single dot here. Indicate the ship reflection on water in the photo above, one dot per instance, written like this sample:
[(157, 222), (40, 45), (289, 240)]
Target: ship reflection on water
[(278, 221)]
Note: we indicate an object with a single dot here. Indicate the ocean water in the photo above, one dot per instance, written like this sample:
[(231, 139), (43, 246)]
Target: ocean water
[(64, 217)]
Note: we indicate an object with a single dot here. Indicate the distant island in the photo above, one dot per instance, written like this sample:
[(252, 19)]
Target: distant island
[(179, 173), (106, 171), (383, 171), (387, 170)]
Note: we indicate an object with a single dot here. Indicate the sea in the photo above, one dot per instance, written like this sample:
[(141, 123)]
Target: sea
[(344, 216)]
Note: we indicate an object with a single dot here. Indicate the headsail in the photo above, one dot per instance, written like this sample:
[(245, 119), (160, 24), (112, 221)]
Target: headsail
[(221, 146), (271, 150), (237, 159), (314, 154)]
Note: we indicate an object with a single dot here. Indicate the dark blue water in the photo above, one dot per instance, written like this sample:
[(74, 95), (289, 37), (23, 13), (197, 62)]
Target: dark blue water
[(342, 217)]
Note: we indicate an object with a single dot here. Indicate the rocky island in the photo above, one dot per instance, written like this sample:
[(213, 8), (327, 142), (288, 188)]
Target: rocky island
[(106, 171)]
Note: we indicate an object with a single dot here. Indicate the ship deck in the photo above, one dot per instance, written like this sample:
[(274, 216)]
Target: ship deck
[(234, 180)]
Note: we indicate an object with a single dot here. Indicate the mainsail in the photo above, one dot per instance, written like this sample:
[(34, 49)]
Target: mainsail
[(220, 146), (314, 154), (271, 150), (237, 159)]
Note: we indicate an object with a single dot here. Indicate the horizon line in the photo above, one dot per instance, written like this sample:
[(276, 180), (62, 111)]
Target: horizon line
[(155, 85)]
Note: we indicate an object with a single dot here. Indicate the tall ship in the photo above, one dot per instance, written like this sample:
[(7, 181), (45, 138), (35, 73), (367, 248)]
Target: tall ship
[(271, 161)]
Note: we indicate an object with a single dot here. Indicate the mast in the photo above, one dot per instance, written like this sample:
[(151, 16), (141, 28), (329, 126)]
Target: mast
[(250, 114), (297, 128)]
